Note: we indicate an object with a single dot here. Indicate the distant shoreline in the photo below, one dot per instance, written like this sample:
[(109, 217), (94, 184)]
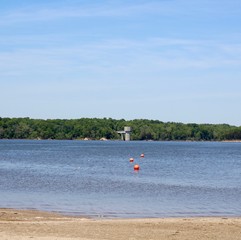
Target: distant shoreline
[(238, 141), (108, 128), (118, 140)]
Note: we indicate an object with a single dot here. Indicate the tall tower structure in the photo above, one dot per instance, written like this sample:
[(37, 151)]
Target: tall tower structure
[(127, 131), (126, 134)]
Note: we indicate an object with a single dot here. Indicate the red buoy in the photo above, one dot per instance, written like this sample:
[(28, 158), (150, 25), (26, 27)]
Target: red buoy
[(142, 155), (136, 167), (131, 159)]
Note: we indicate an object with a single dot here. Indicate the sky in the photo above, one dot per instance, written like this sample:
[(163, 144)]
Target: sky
[(167, 60)]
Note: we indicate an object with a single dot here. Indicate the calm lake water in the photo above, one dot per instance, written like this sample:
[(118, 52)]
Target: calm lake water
[(95, 178)]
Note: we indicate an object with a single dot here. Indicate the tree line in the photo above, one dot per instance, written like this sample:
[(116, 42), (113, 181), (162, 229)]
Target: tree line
[(97, 128)]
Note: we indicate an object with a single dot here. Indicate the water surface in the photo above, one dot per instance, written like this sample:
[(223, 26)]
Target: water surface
[(95, 178)]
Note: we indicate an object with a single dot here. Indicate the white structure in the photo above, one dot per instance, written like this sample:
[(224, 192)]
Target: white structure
[(126, 134)]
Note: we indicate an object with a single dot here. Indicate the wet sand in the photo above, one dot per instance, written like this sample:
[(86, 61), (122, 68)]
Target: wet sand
[(21, 225)]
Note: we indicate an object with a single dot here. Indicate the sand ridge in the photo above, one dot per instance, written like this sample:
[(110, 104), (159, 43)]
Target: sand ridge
[(28, 224)]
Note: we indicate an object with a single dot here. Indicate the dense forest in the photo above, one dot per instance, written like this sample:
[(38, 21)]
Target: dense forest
[(96, 128)]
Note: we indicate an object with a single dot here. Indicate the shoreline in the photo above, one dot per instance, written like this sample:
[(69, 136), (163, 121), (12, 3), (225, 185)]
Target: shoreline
[(119, 140), (25, 224)]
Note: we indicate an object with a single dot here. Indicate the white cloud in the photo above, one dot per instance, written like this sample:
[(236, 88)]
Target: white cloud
[(119, 57), (53, 11), (112, 8), (105, 9)]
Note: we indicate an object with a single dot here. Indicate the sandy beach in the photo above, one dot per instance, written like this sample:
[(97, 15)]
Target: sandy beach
[(21, 225)]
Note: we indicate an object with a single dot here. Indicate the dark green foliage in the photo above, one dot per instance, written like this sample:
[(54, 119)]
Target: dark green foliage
[(234, 134), (96, 128)]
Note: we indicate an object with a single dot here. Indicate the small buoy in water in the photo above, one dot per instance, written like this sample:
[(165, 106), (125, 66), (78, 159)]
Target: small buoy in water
[(131, 159), (142, 155), (136, 167)]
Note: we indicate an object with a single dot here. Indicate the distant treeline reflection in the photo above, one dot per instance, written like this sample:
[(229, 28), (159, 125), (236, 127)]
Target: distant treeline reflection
[(96, 128)]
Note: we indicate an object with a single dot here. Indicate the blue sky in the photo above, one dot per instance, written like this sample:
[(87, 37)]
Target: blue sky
[(171, 60)]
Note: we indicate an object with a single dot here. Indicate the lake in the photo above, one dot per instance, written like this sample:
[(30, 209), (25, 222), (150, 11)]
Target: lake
[(96, 178)]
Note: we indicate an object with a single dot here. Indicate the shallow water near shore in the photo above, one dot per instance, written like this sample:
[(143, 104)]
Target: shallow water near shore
[(95, 178)]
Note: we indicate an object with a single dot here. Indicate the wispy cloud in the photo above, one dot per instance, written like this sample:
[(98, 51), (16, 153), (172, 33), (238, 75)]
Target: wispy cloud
[(47, 12), (73, 9), (118, 57), (105, 9)]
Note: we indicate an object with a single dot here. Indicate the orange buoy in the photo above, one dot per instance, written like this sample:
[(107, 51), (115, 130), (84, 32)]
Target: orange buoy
[(131, 159), (136, 167), (142, 155)]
